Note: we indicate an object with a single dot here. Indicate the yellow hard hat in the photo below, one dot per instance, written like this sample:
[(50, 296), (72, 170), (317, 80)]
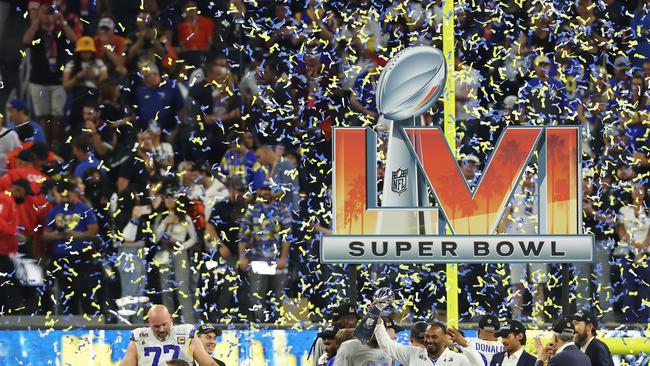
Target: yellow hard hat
[(85, 43)]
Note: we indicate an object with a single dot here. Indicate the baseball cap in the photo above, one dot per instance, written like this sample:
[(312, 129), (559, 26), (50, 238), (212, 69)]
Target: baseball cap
[(40, 150), (344, 309), (172, 192), (511, 326), (390, 323), (106, 23), (26, 156), (622, 62), (585, 316), (207, 328), (542, 59), (329, 332), (510, 101), (564, 326), (18, 104), (489, 323), (47, 185), (85, 43)]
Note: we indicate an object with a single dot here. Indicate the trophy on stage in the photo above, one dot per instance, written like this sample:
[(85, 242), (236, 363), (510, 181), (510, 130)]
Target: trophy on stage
[(383, 298)]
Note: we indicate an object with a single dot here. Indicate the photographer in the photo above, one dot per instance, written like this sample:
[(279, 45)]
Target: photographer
[(46, 75), (149, 43)]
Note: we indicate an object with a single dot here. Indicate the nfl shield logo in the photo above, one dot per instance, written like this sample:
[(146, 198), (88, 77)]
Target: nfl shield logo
[(399, 182)]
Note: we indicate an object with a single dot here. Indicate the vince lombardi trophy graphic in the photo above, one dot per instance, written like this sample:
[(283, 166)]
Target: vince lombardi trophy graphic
[(410, 83), (383, 298)]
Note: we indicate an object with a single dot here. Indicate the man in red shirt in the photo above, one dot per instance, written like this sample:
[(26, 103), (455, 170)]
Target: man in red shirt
[(111, 48), (194, 35), (31, 211), (24, 169), (9, 290)]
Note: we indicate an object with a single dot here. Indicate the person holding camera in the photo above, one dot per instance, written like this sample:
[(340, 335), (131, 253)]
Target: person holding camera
[(149, 43), (81, 77), (47, 59)]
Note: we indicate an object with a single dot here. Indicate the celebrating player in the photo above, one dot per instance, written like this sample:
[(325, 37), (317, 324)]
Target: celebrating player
[(355, 353), (487, 344), (415, 355), (163, 341), (208, 334), (436, 342)]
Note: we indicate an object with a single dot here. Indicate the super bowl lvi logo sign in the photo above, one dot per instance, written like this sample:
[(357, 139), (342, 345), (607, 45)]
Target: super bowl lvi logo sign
[(409, 227)]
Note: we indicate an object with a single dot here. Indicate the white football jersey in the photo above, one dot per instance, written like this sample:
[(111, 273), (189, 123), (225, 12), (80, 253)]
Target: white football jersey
[(154, 352), (355, 353), (486, 349)]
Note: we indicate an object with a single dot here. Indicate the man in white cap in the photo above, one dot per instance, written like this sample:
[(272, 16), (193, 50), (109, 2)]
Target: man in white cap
[(470, 168), (110, 47)]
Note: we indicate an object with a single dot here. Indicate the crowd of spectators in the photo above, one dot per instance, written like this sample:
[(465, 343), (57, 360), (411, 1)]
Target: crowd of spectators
[(180, 152)]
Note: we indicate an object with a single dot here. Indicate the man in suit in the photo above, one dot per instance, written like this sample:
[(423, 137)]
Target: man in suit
[(513, 337), (586, 324), (567, 353)]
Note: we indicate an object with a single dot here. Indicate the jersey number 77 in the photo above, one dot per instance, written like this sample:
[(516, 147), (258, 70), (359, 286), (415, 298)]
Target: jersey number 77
[(157, 351)]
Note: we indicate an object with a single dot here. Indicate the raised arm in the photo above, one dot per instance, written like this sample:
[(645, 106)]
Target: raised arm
[(199, 353), (131, 357), (393, 349), (67, 30), (470, 353), (28, 37)]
